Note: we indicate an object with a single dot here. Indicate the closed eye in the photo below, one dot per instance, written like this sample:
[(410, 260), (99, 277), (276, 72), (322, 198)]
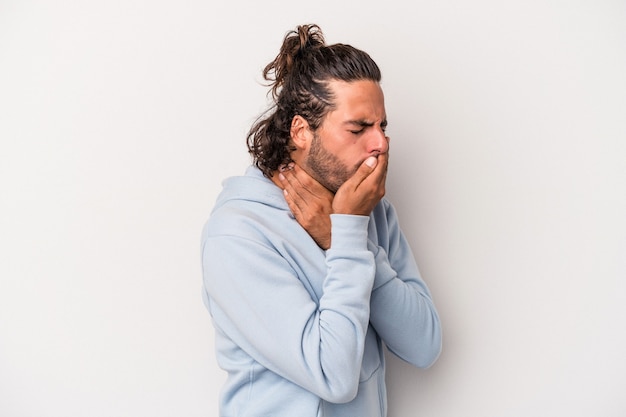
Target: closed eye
[(363, 125)]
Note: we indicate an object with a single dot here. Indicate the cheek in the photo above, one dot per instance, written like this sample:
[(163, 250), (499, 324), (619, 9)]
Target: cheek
[(347, 149)]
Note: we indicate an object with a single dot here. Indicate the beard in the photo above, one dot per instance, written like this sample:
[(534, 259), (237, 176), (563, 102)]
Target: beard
[(325, 167)]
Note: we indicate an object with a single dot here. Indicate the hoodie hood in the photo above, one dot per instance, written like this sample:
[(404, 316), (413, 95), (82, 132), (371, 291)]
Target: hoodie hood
[(252, 186)]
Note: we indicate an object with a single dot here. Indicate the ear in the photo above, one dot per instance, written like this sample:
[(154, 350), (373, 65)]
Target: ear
[(300, 132)]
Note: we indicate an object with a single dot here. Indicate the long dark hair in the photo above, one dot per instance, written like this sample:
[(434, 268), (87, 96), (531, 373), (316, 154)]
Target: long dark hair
[(298, 78)]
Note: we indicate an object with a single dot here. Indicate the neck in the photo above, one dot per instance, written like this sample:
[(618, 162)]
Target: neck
[(276, 180)]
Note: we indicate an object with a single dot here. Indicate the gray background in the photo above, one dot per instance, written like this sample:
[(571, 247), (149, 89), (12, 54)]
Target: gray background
[(119, 119)]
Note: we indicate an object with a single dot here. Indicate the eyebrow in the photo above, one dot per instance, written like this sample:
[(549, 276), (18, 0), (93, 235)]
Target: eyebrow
[(364, 123)]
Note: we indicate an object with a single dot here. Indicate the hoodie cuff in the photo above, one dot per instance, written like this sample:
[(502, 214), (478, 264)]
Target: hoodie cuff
[(349, 231)]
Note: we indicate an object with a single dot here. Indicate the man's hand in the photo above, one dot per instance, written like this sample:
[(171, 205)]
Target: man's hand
[(310, 202), (361, 192)]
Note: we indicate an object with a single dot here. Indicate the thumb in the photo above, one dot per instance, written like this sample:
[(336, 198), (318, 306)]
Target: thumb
[(366, 168), (371, 162)]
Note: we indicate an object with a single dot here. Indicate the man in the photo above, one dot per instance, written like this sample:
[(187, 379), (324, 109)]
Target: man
[(307, 275)]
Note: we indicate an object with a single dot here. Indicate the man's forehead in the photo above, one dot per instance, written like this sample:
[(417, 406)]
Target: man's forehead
[(358, 102)]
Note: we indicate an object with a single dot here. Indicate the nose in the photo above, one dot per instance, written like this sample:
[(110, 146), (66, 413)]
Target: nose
[(378, 143)]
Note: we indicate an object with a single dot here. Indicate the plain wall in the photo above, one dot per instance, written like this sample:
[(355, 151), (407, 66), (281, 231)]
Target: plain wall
[(119, 120)]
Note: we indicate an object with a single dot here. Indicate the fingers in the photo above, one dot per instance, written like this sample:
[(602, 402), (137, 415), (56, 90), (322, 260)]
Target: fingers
[(383, 164), (373, 169), (297, 180), (360, 193), (302, 192), (310, 203), (365, 169), (291, 191), (375, 181)]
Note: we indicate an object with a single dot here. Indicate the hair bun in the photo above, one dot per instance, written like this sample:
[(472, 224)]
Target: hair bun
[(295, 45)]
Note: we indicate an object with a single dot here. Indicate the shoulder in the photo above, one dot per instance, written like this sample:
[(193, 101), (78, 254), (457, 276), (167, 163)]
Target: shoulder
[(246, 219)]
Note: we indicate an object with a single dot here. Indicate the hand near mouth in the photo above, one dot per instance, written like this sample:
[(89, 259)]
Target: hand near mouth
[(312, 204)]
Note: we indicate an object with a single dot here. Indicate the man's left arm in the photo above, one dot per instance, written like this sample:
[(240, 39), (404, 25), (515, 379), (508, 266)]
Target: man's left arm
[(401, 307)]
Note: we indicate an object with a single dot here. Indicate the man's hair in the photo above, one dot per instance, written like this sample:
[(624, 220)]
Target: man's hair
[(298, 78)]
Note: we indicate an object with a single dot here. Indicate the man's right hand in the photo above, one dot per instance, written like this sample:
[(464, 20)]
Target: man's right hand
[(361, 192)]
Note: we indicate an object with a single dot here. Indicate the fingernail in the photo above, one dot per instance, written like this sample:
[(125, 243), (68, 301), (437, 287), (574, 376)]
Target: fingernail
[(371, 162), (281, 176)]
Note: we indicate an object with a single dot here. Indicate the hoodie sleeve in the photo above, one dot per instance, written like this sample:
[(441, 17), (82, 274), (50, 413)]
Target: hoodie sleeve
[(402, 309), (257, 299)]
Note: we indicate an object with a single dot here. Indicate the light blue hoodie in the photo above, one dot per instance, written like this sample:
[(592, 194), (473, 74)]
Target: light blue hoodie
[(300, 330)]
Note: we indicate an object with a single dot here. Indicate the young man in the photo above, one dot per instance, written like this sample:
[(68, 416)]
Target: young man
[(307, 275)]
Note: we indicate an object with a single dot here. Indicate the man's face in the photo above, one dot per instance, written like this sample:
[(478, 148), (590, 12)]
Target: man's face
[(349, 134)]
